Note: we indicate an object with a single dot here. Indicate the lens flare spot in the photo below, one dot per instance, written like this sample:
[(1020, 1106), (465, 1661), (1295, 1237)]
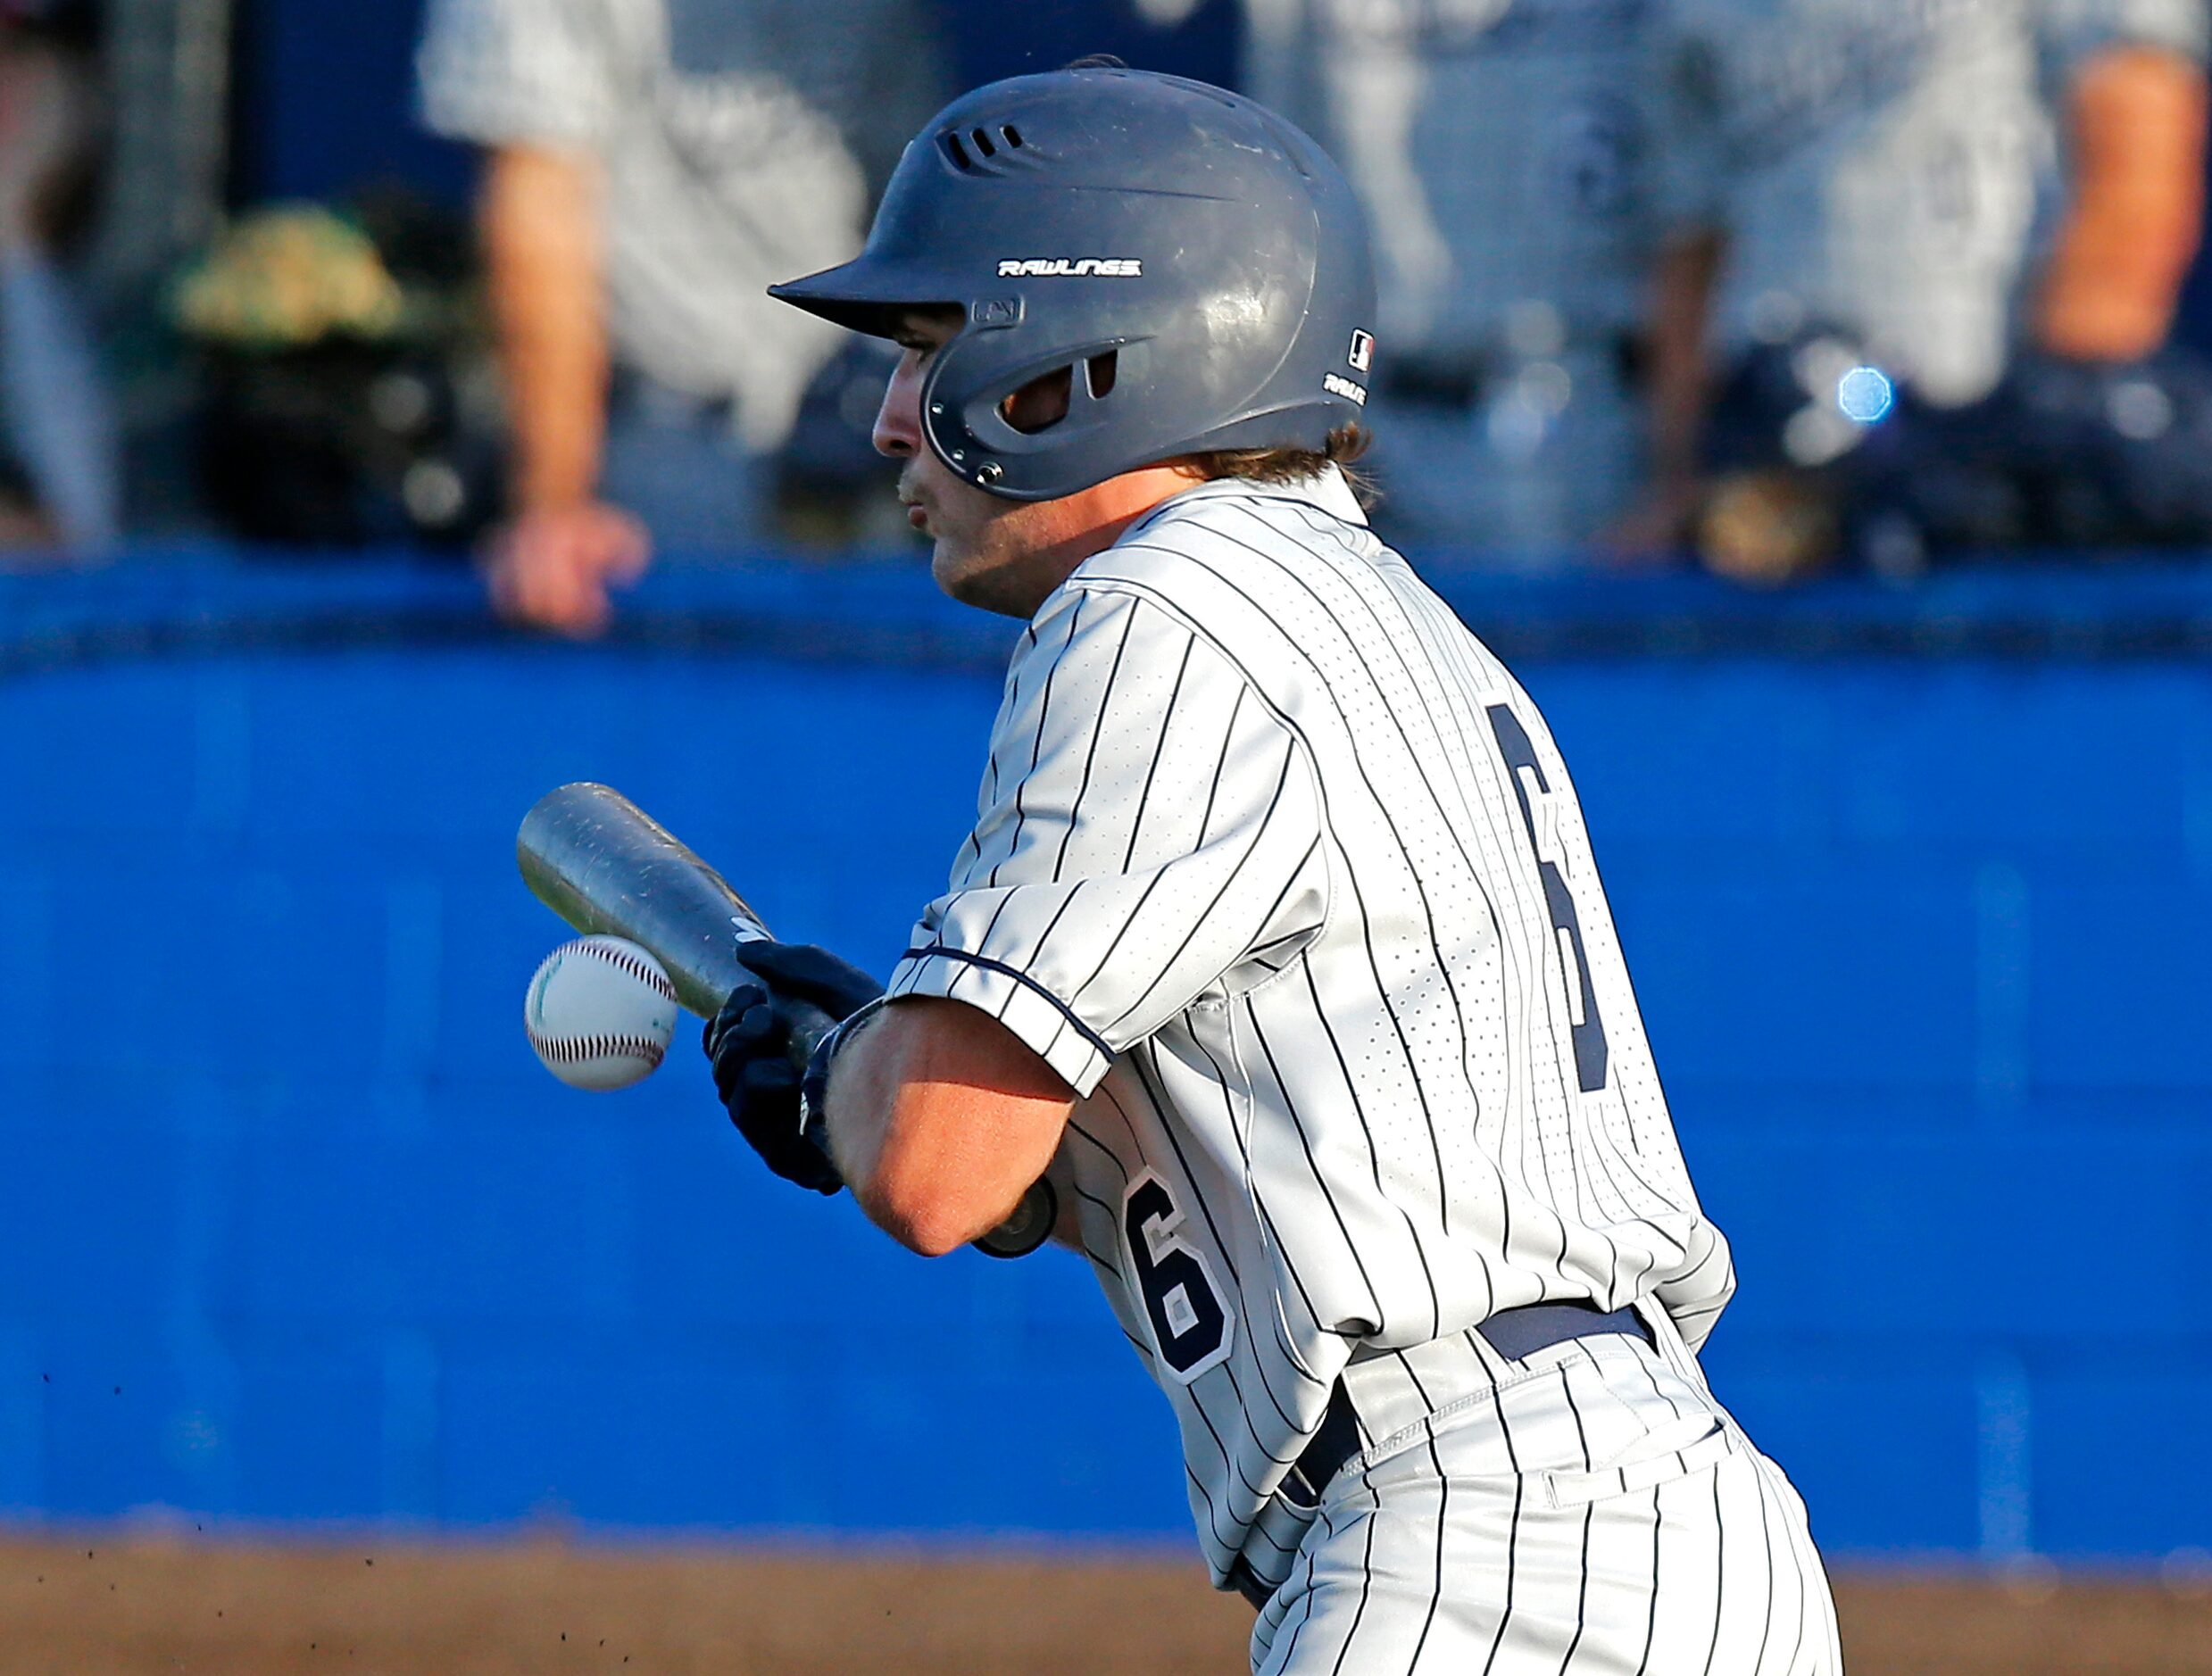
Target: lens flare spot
[(1865, 395)]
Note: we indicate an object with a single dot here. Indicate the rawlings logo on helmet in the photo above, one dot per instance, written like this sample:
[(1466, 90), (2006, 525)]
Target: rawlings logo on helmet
[(1083, 267)]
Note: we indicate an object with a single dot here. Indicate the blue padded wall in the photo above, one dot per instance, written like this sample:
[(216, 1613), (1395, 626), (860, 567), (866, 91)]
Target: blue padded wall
[(296, 1228)]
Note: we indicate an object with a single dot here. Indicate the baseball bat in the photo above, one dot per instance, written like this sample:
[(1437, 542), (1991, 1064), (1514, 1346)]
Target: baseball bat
[(604, 865)]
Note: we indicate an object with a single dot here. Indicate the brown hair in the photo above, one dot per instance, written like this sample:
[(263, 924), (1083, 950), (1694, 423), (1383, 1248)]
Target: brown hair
[(1346, 444)]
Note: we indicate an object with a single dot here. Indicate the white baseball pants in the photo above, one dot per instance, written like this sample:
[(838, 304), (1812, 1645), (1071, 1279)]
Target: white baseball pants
[(1591, 1511)]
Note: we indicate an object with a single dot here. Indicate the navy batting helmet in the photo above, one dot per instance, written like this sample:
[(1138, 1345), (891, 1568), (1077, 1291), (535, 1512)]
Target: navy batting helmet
[(1197, 264)]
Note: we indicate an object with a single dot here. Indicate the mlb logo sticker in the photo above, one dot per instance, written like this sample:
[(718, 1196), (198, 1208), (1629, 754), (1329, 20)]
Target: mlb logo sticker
[(1361, 354)]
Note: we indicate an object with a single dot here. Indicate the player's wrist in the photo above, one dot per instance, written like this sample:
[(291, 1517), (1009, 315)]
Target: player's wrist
[(814, 1087)]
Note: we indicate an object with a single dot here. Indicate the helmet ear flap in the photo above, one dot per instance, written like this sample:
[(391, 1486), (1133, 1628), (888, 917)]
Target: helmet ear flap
[(1004, 428), (1050, 397)]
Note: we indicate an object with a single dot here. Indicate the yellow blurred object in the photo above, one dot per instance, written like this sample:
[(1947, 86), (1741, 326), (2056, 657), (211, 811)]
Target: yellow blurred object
[(286, 277), (1767, 528)]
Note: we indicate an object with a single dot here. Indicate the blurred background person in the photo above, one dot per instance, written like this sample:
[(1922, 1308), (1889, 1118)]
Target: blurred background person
[(651, 165), (1920, 262), (1495, 145), (59, 482), (346, 394)]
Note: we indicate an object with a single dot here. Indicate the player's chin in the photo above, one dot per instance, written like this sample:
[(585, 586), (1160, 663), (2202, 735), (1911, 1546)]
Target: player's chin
[(953, 565)]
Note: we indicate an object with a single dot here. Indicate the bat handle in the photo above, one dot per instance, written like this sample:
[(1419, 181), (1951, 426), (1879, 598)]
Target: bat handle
[(809, 1025), (1029, 1227)]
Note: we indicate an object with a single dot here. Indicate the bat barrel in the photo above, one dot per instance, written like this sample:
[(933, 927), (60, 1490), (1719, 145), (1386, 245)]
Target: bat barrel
[(604, 865)]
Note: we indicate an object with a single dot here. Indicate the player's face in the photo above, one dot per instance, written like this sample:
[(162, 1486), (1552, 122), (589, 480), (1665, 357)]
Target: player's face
[(1004, 556)]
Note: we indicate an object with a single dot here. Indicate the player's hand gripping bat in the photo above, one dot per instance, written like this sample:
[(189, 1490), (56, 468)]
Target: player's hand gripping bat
[(604, 865)]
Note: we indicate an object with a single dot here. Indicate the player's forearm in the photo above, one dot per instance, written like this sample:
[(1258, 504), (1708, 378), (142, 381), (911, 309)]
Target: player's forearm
[(540, 225), (2135, 137), (1681, 302), (939, 1120)]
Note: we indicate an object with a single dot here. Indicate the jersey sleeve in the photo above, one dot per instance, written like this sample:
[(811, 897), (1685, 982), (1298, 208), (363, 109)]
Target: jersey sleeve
[(1149, 831), (499, 72)]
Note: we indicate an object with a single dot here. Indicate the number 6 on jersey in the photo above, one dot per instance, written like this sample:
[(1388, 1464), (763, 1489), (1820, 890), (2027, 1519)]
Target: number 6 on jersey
[(1189, 1326)]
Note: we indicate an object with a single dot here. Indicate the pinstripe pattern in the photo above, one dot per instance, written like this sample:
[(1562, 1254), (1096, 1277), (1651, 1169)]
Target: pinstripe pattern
[(1594, 1512), (1255, 869)]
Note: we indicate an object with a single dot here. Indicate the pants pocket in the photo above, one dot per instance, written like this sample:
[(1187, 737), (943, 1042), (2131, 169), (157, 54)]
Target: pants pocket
[(1672, 1450)]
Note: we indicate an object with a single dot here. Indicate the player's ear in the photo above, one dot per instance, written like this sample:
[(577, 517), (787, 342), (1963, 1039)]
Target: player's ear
[(1041, 404), (1044, 401)]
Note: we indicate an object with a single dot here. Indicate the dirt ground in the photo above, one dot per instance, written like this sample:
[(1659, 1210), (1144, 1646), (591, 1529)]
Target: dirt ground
[(119, 1607)]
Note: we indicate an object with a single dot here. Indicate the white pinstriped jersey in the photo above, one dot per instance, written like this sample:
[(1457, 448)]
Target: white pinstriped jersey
[(1279, 867)]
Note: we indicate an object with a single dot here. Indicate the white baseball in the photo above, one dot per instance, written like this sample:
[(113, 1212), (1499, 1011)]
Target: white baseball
[(599, 1012)]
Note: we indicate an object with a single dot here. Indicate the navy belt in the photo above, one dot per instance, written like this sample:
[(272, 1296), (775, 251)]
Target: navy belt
[(1512, 1333)]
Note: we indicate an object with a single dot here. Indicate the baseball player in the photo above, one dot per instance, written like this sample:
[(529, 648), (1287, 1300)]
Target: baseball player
[(1276, 949)]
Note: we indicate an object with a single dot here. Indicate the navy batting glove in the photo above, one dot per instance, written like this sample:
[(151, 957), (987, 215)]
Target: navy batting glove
[(801, 972), (754, 1044), (748, 1043)]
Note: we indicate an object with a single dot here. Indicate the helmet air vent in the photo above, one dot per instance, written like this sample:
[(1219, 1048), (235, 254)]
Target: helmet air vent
[(982, 150)]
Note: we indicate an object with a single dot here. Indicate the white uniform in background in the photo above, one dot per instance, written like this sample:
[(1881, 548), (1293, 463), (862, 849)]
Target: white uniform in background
[(1881, 167), (1496, 148), (736, 142), (1279, 867)]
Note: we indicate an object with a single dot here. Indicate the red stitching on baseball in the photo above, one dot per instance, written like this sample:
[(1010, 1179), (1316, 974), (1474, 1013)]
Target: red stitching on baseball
[(623, 960), (572, 1049)]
